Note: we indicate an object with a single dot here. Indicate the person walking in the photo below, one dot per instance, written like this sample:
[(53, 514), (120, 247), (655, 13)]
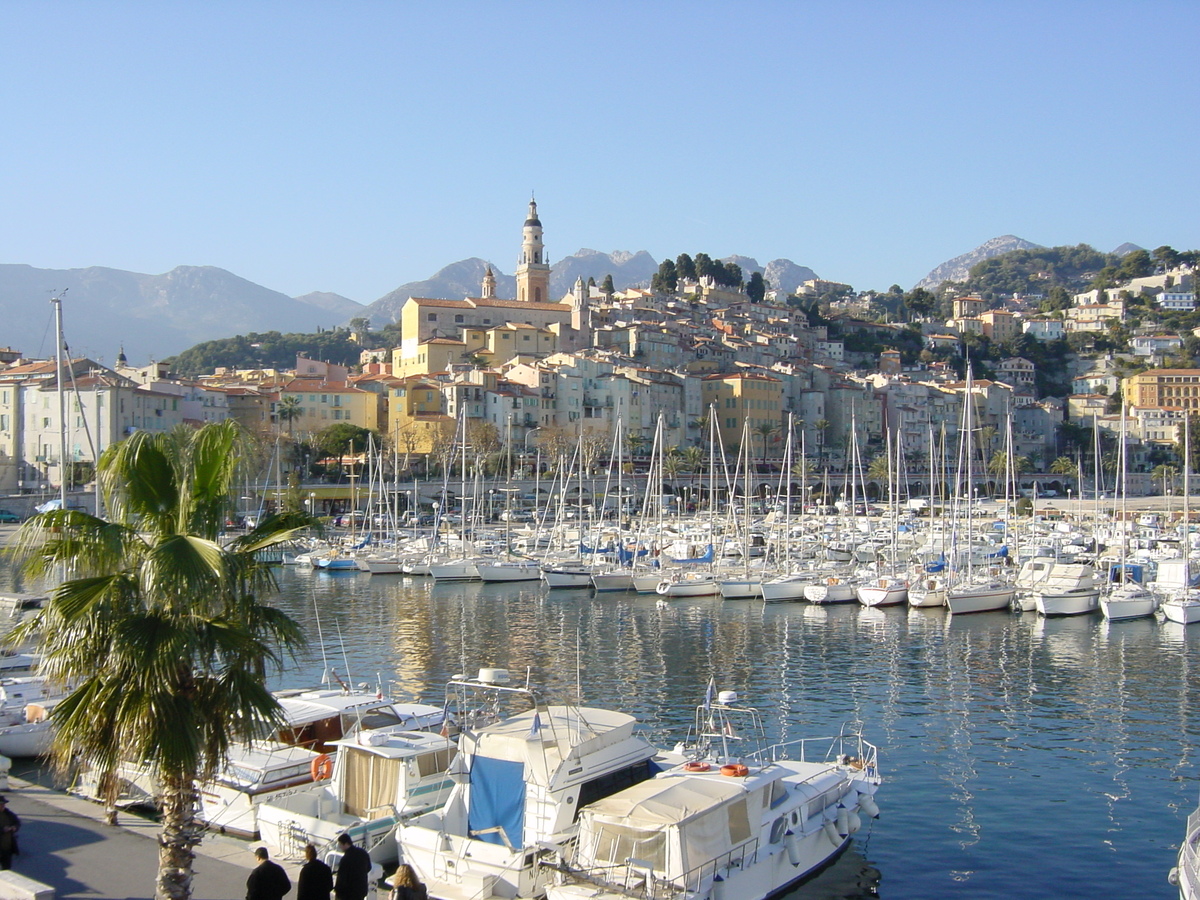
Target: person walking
[(406, 885), (316, 878), (10, 824), (354, 871), (267, 880)]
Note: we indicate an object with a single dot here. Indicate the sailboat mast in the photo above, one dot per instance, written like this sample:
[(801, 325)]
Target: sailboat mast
[(62, 399)]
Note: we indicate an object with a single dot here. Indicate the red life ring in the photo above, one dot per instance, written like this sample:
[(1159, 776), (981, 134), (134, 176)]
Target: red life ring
[(696, 766), (735, 770), (322, 767)]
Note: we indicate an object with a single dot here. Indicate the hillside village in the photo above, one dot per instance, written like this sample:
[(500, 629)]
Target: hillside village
[(699, 344)]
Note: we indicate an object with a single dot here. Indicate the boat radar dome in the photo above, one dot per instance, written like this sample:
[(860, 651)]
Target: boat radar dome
[(725, 698), (493, 676)]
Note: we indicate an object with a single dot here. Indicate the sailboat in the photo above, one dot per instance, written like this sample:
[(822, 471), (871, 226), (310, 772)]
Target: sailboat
[(890, 589), (978, 591), (510, 568), (745, 585), (1183, 606), (790, 584)]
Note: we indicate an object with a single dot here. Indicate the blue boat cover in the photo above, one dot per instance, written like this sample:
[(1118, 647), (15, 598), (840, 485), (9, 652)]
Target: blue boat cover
[(497, 800), (706, 558)]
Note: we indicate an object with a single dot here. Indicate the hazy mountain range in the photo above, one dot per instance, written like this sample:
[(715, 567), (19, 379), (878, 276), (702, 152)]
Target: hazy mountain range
[(156, 316)]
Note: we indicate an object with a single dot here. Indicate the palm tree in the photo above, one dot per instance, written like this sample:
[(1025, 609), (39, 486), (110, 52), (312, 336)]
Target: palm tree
[(821, 425), (1166, 474), (159, 627), (766, 430), (288, 409)]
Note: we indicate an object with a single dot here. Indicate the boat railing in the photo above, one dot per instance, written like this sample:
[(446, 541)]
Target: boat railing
[(641, 879), (848, 747), (1189, 857)]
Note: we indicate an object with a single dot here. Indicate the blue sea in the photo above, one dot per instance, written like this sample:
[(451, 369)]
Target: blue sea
[(1022, 757)]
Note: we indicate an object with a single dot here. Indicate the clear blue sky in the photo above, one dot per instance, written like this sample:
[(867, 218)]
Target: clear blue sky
[(354, 146)]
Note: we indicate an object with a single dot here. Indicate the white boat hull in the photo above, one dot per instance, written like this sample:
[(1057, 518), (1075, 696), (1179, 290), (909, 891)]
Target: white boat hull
[(463, 570), (613, 581), (566, 577), (980, 599), (790, 587), (1068, 603), (741, 589), (1183, 612), (522, 571), (689, 587), (832, 591), (882, 595), (1120, 605), (26, 740)]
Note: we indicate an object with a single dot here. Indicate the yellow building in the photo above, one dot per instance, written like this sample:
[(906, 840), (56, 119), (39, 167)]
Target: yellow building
[(416, 424), (436, 354), (739, 397), (323, 403), (1164, 387)]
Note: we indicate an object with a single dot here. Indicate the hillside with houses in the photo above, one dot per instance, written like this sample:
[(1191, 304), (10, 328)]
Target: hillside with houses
[(702, 350)]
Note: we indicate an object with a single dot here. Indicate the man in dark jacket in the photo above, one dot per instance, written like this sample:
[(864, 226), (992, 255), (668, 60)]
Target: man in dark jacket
[(354, 871), (316, 878), (267, 881), (9, 826)]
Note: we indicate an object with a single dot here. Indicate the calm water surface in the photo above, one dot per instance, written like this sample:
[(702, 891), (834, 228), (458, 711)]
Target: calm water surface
[(1022, 757)]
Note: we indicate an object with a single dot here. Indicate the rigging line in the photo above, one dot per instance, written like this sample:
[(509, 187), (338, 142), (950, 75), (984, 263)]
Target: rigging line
[(320, 636)]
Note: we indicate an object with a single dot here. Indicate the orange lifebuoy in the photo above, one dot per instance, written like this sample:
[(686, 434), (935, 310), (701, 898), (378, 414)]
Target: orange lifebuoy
[(735, 770), (696, 766), (322, 767)]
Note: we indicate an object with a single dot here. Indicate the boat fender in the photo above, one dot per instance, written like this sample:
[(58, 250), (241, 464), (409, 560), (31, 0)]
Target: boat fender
[(867, 804), (735, 770), (322, 767), (696, 766), (792, 842), (1173, 876), (831, 832), (843, 821), (855, 821)]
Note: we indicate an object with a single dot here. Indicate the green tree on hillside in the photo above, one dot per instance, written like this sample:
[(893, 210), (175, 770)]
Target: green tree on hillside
[(756, 287)]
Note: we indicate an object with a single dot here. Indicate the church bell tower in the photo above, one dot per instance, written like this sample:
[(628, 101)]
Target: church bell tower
[(533, 271)]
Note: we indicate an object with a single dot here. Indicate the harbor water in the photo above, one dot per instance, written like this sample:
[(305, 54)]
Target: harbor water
[(1022, 757)]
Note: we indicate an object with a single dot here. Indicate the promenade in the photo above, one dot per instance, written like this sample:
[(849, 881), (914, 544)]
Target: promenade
[(66, 845)]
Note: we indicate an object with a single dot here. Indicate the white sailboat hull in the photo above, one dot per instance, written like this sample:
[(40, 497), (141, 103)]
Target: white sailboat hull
[(790, 587), (699, 586), (1121, 605), (986, 598), (567, 576), (882, 594), (461, 570), (741, 588), (1184, 611), (612, 581), (514, 571), (832, 591)]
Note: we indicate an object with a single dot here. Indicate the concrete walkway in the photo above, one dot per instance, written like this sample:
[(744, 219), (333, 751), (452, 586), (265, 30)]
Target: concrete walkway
[(65, 844)]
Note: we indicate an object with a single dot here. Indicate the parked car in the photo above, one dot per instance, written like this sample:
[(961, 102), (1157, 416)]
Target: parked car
[(8, 517)]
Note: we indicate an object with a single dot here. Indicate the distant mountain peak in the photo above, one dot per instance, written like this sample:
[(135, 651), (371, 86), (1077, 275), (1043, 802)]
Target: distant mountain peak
[(959, 268)]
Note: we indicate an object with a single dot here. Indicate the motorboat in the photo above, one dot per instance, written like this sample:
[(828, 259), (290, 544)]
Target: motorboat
[(734, 819), (1186, 873), (379, 777), (26, 729), (1069, 589), (520, 781), (985, 595), (297, 753)]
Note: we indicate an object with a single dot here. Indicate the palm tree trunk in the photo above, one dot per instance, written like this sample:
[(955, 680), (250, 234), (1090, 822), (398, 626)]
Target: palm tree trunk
[(180, 835)]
